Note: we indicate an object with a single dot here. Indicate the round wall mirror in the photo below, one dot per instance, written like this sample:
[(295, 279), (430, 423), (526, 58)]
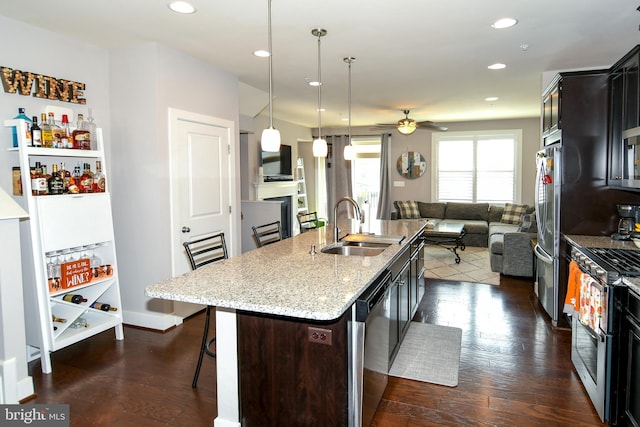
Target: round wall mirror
[(411, 165)]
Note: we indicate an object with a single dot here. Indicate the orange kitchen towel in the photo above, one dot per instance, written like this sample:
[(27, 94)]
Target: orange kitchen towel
[(572, 300)]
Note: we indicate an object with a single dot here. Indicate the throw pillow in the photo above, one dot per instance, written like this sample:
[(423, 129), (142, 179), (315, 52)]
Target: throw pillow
[(431, 210), (528, 224), (513, 213), (408, 210)]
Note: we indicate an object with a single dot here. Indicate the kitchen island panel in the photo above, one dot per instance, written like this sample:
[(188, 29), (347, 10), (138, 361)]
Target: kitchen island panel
[(285, 379)]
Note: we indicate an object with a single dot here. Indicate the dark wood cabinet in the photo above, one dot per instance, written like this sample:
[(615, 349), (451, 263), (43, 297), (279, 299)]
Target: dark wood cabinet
[(624, 115), (287, 380), (551, 109)]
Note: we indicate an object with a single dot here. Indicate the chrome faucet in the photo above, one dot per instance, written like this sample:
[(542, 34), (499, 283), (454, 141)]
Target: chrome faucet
[(356, 208)]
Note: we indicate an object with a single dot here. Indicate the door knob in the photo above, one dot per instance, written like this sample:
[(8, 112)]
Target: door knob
[(186, 229)]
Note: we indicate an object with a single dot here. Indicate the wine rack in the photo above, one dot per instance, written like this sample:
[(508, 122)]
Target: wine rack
[(71, 248)]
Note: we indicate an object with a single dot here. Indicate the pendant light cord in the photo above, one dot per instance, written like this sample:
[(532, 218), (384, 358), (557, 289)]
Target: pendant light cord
[(319, 88), (270, 70)]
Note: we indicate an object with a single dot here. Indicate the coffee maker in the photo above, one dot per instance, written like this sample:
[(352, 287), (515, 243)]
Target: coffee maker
[(629, 216)]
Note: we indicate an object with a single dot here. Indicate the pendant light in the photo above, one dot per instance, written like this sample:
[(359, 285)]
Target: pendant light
[(270, 140), (319, 144), (349, 152)]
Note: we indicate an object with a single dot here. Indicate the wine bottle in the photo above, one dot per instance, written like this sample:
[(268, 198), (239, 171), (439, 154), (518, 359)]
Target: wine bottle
[(103, 306), (58, 319), (99, 184), (56, 131), (36, 133), (74, 298)]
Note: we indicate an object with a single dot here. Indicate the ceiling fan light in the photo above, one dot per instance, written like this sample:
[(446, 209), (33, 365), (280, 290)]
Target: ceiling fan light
[(406, 126), (270, 140), (320, 148), (349, 152)]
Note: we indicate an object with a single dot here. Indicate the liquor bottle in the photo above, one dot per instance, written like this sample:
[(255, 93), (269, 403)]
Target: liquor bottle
[(103, 306), (99, 181), (43, 183), (66, 178), (74, 298), (86, 180), (90, 125), (27, 136), (67, 141), (47, 136), (56, 182), (38, 181), (81, 136), (36, 133), (56, 131)]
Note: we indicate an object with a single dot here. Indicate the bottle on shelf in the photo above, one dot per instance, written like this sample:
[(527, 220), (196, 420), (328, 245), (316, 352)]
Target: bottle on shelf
[(103, 306), (99, 182), (58, 319), (16, 180), (56, 131), (36, 133), (55, 182), (66, 138), (27, 136), (77, 174), (74, 298), (39, 181), (86, 180), (91, 127), (47, 136), (81, 136)]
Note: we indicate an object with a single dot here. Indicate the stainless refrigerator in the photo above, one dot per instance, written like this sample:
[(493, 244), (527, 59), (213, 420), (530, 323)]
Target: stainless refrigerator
[(547, 249)]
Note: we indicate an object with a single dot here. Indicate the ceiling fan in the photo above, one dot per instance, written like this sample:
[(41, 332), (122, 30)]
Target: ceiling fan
[(407, 126)]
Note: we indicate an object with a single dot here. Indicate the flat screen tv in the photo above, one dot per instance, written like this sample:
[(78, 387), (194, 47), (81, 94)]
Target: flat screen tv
[(276, 166)]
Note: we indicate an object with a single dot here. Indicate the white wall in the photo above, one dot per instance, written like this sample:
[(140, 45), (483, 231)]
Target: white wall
[(146, 81)]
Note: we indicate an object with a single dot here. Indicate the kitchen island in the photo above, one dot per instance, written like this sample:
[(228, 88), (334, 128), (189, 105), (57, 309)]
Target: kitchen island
[(269, 302)]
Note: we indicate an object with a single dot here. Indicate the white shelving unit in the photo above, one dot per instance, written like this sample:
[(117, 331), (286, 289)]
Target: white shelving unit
[(302, 201), (74, 231)]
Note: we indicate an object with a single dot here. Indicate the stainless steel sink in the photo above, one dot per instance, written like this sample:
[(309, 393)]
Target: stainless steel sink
[(355, 249)]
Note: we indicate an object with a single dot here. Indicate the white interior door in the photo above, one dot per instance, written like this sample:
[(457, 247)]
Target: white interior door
[(201, 186)]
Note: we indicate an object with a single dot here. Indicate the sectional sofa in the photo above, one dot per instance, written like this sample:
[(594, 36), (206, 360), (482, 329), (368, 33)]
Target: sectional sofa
[(506, 230)]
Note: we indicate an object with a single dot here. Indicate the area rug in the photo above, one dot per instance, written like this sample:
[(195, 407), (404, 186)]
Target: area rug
[(474, 265), (429, 353)]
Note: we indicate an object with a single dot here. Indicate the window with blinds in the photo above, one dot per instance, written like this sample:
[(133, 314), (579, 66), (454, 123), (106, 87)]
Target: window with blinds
[(477, 167)]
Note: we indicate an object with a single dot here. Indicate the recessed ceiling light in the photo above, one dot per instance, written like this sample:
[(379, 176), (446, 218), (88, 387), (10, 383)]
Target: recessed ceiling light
[(496, 66), (504, 23), (182, 7), (261, 53), (491, 99)]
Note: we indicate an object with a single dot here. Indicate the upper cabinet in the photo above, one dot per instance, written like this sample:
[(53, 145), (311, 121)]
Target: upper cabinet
[(624, 122), (551, 109)]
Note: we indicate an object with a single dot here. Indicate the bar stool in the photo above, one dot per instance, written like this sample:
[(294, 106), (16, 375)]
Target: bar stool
[(267, 234), (308, 221), (202, 252)]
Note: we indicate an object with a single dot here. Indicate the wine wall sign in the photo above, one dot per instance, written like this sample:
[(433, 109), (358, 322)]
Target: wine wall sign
[(27, 83)]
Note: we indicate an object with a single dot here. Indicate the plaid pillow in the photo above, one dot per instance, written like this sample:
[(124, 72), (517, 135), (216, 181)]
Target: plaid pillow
[(408, 210), (513, 213)]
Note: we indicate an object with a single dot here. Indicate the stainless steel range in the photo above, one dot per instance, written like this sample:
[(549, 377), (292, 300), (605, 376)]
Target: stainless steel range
[(595, 344)]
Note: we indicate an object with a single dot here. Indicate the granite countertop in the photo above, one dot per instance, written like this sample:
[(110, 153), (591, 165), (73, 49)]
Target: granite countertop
[(600, 242), (285, 279), (607, 242)]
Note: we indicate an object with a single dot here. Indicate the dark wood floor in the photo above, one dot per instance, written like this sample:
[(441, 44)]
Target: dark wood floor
[(514, 371)]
